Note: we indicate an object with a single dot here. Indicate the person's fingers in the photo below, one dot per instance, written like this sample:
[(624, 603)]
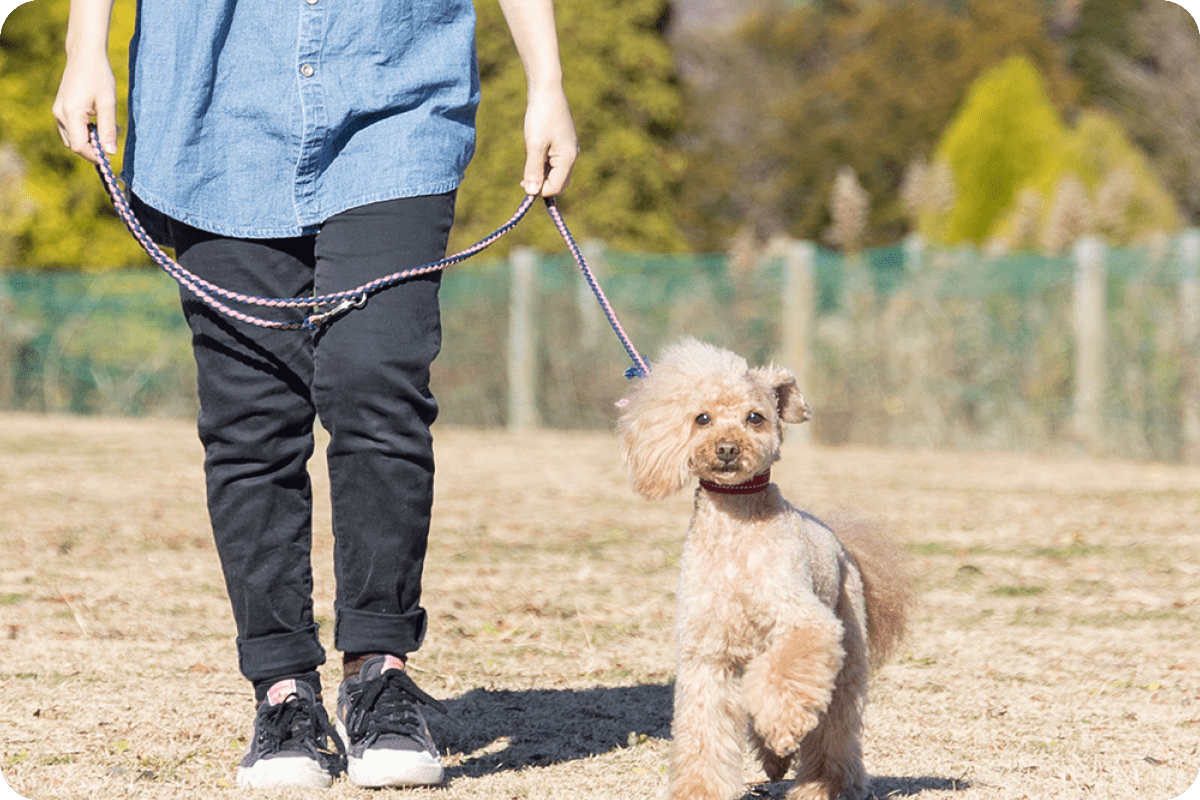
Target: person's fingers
[(75, 135), (535, 170), (558, 173), (106, 129)]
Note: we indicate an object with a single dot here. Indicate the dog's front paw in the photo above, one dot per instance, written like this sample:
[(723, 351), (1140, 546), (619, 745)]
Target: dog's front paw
[(784, 742), (782, 719), (789, 687)]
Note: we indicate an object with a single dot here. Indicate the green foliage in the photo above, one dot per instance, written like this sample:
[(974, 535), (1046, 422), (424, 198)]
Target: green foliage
[(1098, 152), (70, 223), (808, 88), (1008, 142), (627, 106), (1005, 133), (620, 79)]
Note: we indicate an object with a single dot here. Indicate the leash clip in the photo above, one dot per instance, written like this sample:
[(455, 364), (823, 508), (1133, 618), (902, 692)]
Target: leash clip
[(315, 321)]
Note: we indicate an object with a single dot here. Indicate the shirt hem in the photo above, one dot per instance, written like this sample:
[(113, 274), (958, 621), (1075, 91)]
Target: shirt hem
[(305, 226)]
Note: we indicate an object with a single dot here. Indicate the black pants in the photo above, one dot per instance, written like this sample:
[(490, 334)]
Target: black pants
[(365, 375)]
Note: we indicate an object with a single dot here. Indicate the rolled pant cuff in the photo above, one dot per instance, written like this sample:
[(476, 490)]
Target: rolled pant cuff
[(265, 657), (370, 632)]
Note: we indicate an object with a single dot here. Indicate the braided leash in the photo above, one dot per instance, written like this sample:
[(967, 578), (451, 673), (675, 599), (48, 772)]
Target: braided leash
[(325, 307), (640, 368)]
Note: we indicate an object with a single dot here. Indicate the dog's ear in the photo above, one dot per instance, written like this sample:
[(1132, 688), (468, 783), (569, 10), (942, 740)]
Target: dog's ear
[(654, 447), (789, 401)]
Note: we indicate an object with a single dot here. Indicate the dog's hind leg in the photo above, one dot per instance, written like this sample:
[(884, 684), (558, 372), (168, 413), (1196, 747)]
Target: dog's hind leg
[(707, 731), (830, 758), (788, 688)]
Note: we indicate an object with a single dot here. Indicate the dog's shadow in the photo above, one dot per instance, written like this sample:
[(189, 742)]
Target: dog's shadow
[(496, 731), (882, 788)]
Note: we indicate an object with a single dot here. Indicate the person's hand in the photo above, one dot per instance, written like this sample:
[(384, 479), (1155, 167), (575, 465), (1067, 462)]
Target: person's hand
[(550, 144), (88, 89)]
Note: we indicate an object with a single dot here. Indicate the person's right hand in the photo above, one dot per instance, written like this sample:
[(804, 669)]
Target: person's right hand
[(88, 89)]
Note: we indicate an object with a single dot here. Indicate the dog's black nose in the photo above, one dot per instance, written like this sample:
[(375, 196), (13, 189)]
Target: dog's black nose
[(728, 451)]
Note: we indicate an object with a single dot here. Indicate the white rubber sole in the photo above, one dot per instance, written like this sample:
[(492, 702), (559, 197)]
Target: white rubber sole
[(378, 769), (284, 773)]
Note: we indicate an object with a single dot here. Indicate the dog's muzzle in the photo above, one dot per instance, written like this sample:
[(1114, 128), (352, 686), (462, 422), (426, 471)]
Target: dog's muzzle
[(727, 454)]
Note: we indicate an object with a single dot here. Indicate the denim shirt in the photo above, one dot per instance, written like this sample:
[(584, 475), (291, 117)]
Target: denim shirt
[(263, 118)]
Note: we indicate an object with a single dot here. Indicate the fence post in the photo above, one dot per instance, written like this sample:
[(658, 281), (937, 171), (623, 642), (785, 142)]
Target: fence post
[(1189, 314), (914, 253), (522, 376), (1089, 320), (799, 309)]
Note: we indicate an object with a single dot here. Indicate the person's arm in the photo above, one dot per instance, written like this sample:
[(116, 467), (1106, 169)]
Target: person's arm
[(550, 143), (88, 87)]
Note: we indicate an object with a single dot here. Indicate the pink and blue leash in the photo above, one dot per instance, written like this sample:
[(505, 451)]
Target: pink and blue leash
[(322, 308)]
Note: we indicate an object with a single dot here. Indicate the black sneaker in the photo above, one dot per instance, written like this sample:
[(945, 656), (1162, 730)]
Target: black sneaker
[(290, 748), (386, 738)]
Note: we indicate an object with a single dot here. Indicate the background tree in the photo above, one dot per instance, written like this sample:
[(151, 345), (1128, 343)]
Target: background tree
[(620, 79), (766, 113), (1010, 152), (804, 89), (627, 105), (1140, 60), (68, 220), (1097, 161), (1006, 130)]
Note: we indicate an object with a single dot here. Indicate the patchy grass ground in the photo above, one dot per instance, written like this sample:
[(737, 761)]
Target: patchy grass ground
[(1055, 653)]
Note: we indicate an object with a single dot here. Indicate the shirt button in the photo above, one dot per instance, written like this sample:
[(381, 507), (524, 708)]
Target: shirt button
[(307, 70)]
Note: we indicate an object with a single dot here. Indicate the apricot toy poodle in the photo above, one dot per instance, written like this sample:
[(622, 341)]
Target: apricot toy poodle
[(780, 618)]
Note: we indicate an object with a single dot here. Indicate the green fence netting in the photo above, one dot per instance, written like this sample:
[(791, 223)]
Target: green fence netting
[(911, 347)]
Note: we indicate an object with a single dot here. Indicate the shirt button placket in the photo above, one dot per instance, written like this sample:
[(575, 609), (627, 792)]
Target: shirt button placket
[(312, 108), (307, 69)]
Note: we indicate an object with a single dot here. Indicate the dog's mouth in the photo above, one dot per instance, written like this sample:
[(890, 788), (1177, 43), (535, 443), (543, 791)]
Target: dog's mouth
[(727, 472)]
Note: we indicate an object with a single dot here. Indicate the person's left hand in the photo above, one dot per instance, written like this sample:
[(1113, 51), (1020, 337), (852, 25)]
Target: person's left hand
[(550, 144)]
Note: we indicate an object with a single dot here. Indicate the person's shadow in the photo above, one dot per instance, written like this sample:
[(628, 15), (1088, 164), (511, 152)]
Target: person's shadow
[(497, 731)]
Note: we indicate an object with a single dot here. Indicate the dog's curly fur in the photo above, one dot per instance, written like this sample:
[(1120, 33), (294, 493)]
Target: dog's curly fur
[(780, 620)]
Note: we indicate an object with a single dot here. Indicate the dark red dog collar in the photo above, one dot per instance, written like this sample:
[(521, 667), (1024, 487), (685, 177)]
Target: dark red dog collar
[(756, 484)]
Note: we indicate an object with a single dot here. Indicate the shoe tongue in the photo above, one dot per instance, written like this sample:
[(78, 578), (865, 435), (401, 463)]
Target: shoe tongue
[(281, 691), (375, 666)]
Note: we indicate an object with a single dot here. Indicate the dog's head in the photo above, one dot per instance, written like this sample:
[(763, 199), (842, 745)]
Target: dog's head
[(703, 412)]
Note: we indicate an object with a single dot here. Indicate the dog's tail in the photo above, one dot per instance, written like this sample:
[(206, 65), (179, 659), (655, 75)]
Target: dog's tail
[(886, 584)]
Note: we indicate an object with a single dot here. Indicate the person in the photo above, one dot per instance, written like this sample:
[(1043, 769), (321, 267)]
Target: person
[(286, 151)]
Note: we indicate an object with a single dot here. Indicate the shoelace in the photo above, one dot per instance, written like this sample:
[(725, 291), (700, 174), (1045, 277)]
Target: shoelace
[(386, 705), (300, 725)]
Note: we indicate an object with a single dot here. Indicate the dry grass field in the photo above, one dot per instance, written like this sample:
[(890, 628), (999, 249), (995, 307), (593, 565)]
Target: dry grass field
[(1055, 653)]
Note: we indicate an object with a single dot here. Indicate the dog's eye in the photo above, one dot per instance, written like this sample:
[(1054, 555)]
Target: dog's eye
[(703, 419), (756, 418)]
